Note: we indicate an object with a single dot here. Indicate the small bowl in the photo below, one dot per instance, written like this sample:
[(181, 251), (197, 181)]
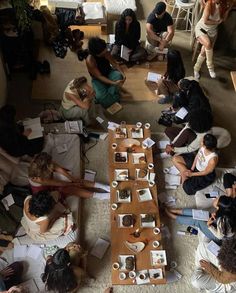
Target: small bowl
[(156, 230), (144, 146), (132, 274), (147, 125), (116, 266), (114, 184), (142, 276), (114, 206), (151, 183), (122, 124), (155, 244), (114, 146), (150, 166), (139, 124), (122, 276)]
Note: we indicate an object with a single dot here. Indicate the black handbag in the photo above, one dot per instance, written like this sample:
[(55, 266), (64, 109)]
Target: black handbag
[(166, 119)]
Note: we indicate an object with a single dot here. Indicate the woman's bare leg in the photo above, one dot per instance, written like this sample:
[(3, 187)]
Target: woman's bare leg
[(76, 191), (180, 164)]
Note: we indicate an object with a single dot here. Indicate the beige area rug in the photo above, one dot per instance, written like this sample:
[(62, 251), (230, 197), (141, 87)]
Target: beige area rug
[(96, 223)]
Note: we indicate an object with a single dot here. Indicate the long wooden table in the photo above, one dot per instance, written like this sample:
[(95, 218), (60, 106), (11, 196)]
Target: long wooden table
[(135, 207)]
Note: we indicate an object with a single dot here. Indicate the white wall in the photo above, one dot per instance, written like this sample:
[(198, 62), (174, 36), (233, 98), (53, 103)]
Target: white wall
[(3, 85)]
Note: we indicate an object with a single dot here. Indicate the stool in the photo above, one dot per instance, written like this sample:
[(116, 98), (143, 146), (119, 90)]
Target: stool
[(184, 7)]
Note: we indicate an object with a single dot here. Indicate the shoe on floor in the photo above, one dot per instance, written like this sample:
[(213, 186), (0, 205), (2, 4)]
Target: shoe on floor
[(212, 73), (165, 100)]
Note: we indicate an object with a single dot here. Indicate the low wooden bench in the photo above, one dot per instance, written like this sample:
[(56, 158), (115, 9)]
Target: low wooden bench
[(233, 76)]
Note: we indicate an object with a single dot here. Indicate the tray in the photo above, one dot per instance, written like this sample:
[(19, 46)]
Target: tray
[(122, 177), (146, 196), (123, 154), (156, 271), (138, 134), (124, 200), (124, 130), (121, 260), (136, 157), (146, 224), (144, 178), (158, 257), (120, 217)]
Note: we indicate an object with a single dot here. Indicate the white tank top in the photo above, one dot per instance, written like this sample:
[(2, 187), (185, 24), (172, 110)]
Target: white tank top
[(203, 160)]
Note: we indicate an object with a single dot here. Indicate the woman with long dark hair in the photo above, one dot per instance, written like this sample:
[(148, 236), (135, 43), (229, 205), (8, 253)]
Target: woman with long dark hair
[(168, 85), (127, 33)]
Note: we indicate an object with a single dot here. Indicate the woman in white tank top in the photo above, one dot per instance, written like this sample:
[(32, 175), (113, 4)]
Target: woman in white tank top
[(215, 12), (199, 172)]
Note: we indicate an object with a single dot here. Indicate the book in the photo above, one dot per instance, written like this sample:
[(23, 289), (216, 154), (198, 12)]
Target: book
[(200, 215), (213, 248), (182, 113), (35, 126), (74, 126), (100, 248), (154, 77), (124, 53), (8, 201), (114, 108)]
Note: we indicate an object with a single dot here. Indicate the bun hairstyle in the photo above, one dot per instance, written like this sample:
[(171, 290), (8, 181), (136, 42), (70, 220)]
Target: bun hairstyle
[(210, 141), (78, 82), (41, 166)]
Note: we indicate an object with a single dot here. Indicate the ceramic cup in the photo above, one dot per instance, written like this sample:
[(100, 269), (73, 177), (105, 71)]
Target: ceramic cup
[(173, 264), (114, 146), (114, 206), (138, 124), (144, 145), (122, 276), (147, 125), (122, 124), (116, 266), (155, 244), (142, 276), (114, 184), (151, 183), (132, 274), (156, 230), (150, 166)]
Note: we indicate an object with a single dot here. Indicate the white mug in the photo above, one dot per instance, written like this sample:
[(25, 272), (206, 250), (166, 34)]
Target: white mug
[(147, 125), (114, 146), (150, 166), (156, 230), (132, 274), (144, 145), (114, 184), (138, 124), (122, 124), (114, 206), (116, 266), (151, 183), (155, 244), (122, 276), (142, 276)]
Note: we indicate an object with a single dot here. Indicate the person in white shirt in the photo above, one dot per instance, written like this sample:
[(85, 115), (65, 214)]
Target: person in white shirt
[(199, 172)]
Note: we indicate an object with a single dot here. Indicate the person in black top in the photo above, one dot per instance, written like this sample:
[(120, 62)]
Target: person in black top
[(105, 80), (127, 33), (159, 27)]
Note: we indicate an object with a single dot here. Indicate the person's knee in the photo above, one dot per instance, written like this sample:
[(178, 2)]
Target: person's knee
[(115, 75), (208, 45)]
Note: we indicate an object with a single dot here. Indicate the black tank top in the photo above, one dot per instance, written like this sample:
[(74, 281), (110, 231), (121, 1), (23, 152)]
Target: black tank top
[(103, 65)]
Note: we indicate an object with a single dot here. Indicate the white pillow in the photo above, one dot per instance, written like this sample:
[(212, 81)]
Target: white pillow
[(118, 6), (93, 10)]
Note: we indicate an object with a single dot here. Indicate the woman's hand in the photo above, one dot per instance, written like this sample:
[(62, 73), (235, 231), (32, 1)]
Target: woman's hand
[(211, 219), (27, 132), (6, 273), (119, 82), (205, 265), (188, 173), (169, 149)]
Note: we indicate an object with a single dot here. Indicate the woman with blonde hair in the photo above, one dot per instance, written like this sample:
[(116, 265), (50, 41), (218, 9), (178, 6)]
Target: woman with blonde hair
[(214, 13)]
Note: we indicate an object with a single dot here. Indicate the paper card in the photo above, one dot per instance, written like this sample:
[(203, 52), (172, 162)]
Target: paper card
[(182, 113), (167, 186), (213, 248), (35, 126), (103, 136), (152, 176), (154, 77), (172, 179), (111, 39), (34, 251), (200, 215), (8, 201), (112, 125), (172, 171), (161, 144), (149, 142), (164, 155), (99, 120), (125, 53), (20, 251), (100, 248), (89, 175), (30, 286), (61, 148)]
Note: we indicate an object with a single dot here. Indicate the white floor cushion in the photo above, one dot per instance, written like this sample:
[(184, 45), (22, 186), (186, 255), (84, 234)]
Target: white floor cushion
[(118, 6)]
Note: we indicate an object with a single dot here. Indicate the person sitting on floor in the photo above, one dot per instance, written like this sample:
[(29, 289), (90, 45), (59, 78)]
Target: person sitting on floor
[(10, 276), (188, 139), (77, 102), (168, 85), (220, 225), (216, 274), (199, 172), (159, 27), (45, 217), (61, 274), (229, 182), (13, 137), (127, 33), (106, 80), (43, 174)]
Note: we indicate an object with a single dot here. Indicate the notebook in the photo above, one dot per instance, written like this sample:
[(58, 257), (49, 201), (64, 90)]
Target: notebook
[(35, 126), (154, 77), (124, 53), (200, 215)]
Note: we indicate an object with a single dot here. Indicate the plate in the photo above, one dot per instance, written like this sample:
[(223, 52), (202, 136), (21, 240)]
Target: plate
[(129, 142), (135, 247), (138, 134), (128, 199), (158, 257), (123, 133), (120, 224), (121, 260), (136, 157), (122, 155), (152, 272), (121, 177), (146, 194), (137, 171), (146, 224)]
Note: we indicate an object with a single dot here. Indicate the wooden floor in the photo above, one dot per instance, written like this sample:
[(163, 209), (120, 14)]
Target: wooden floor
[(51, 86)]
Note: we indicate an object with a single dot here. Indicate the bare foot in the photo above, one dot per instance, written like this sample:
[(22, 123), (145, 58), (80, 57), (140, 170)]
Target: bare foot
[(109, 290)]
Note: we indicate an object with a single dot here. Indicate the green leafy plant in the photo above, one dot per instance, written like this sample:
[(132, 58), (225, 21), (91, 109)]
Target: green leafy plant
[(24, 21)]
